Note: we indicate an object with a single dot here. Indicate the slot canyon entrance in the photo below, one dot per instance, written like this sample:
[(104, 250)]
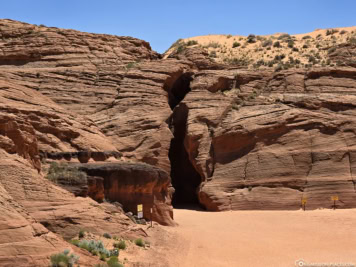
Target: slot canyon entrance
[(185, 179)]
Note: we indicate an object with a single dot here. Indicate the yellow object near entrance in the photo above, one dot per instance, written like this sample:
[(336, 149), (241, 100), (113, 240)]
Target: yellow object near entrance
[(139, 208), (304, 201), (334, 198)]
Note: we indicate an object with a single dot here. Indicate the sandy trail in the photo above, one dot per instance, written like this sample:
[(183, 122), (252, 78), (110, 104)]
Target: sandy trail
[(262, 238)]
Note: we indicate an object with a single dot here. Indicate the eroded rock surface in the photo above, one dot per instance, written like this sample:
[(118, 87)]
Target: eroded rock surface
[(230, 138), (265, 140), (131, 184)]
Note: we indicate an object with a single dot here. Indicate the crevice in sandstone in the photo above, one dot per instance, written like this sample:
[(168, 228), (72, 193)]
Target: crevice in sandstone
[(185, 178), (179, 88)]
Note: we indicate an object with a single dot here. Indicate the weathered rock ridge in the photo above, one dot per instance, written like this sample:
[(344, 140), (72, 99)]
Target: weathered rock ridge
[(230, 138)]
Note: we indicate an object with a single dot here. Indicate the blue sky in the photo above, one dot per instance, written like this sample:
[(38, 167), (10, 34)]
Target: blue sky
[(163, 22)]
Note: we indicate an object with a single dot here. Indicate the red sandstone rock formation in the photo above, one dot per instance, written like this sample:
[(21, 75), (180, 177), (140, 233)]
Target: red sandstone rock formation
[(230, 138), (131, 184)]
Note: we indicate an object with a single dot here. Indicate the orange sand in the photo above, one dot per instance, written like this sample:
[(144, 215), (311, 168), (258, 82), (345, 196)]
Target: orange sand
[(261, 238)]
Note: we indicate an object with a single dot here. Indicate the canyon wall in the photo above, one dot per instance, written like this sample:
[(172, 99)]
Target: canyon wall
[(225, 137)]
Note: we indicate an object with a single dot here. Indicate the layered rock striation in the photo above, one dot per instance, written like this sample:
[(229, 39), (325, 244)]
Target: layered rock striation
[(225, 137)]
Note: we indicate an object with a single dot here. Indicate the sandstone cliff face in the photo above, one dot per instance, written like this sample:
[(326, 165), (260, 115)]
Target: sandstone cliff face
[(34, 210), (230, 138), (131, 184), (268, 139)]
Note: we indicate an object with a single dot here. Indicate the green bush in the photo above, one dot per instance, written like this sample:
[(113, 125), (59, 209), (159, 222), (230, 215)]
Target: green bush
[(251, 38), (235, 44), (331, 31), (290, 43), (192, 42), (284, 36), (267, 43), (312, 59), (114, 262), (306, 37), (81, 233), (103, 257), (352, 40), (66, 174), (139, 242), (305, 46), (213, 54), (63, 259), (277, 44), (106, 235), (130, 65), (181, 48), (213, 45), (93, 246), (120, 245), (75, 242)]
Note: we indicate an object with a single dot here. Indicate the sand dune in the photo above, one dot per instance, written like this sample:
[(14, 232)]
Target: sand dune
[(261, 51)]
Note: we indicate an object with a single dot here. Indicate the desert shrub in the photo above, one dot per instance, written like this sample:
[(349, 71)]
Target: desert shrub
[(114, 262), (114, 252), (228, 36), (305, 46), (66, 173), (93, 246), (139, 242), (312, 59), (270, 63), (331, 31), (130, 65), (295, 49), (63, 259), (120, 245), (192, 42), (277, 44), (94, 252), (176, 43), (243, 61), (284, 36), (81, 233), (235, 44), (352, 40), (278, 68), (251, 38), (279, 57), (213, 45), (107, 235), (75, 242), (213, 54), (103, 257), (343, 32), (267, 43), (306, 37), (290, 43), (181, 47)]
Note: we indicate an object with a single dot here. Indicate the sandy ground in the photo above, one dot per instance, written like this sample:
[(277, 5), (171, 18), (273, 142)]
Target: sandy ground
[(253, 52), (258, 238)]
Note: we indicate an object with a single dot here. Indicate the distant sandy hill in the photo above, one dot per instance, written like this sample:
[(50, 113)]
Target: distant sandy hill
[(279, 50)]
